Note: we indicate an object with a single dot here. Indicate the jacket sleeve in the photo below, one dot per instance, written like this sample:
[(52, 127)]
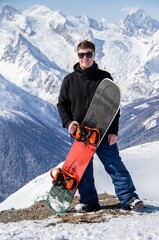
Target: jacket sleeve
[(64, 105), (114, 127)]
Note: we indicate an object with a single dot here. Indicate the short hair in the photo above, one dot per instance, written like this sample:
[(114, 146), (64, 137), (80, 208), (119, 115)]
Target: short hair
[(86, 44)]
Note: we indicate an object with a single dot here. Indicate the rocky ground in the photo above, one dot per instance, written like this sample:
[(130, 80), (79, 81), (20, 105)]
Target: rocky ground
[(40, 211)]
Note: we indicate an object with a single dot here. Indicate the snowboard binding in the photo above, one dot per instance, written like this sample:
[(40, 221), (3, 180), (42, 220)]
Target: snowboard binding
[(87, 135), (63, 178)]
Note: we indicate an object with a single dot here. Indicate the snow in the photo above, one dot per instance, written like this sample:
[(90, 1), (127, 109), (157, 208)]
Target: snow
[(14, 99), (141, 161), (133, 227), (152, 121)]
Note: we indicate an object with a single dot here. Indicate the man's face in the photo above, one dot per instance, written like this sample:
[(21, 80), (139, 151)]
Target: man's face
[(86, 57)]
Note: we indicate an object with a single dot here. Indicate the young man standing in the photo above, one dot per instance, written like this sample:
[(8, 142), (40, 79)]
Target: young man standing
[(76, 93)]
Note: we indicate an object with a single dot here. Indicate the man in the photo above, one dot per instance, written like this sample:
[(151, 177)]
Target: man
[(76, 93)]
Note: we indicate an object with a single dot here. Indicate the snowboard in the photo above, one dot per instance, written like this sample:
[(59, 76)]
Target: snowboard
[(100, 114)]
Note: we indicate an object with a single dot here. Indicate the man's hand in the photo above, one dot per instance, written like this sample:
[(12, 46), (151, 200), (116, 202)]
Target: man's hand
[(112, 138), (72, 127)]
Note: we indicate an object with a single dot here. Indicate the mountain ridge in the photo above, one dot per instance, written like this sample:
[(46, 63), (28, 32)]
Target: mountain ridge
[(131, 56)]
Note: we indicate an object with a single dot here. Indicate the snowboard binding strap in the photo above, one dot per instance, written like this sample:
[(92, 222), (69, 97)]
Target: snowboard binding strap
[(63, 178), (87, 134)]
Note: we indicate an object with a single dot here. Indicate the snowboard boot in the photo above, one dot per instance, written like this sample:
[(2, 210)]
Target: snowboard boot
[(83, 207), (134, 204)]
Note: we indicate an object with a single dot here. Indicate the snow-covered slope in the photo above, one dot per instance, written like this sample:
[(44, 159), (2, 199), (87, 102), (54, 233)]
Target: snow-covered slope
[(30, 137), (141, 161), (136, 225), (139, 122)]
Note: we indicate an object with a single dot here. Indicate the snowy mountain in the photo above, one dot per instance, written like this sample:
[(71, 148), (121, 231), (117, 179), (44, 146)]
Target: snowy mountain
[(138, 23), (39, 49), (30, 137), (139, 122)]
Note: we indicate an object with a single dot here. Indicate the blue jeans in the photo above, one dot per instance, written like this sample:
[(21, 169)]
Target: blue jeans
[(109, 156)]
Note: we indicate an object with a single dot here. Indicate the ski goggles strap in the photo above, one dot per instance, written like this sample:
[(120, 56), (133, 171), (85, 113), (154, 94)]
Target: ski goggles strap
[(63, 178), (87, 134)]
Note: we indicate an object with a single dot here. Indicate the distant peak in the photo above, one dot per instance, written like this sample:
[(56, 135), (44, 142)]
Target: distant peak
[(58, 13), (39, 9), (138, 22), (8, 8), (138, 13), (8, 12), (134, 10), (44, 11)]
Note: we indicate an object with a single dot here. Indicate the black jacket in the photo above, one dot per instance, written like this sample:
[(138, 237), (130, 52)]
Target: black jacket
[(76, 93)]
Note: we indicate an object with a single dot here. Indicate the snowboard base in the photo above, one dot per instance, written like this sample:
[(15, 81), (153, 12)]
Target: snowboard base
[(59, 199)]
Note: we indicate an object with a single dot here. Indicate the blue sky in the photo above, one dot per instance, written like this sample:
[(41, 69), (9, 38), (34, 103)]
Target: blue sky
[(112, 10)]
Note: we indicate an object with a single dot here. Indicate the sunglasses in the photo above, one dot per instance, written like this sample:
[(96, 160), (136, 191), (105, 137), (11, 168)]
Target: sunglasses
[(87, 54)]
